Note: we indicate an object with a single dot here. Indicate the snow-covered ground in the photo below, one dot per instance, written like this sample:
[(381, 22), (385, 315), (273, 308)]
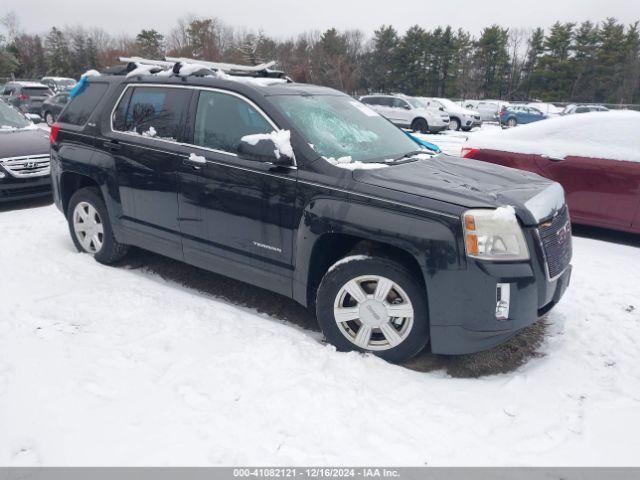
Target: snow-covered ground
[(117, 366)]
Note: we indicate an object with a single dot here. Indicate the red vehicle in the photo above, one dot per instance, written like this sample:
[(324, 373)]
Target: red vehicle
[(594, 156)]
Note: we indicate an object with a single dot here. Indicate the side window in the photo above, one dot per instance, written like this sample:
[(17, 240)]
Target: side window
[(83, 104), (153, 112), (223, 119), (399, 103), (368, 100), (582, 110), (385, 101)]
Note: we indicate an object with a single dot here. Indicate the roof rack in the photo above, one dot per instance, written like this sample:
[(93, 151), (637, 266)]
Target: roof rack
[(174, 63)]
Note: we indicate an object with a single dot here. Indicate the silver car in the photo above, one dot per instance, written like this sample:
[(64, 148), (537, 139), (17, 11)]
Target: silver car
[(408, 112)]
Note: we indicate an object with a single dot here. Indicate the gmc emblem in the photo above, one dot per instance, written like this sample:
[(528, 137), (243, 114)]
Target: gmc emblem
[(564, 233)]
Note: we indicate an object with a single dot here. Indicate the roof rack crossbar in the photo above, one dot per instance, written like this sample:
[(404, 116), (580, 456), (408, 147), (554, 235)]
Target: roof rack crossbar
[(226, 67)]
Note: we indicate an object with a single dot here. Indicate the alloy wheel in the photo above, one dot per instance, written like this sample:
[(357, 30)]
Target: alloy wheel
[(373, 312), (88, 227)]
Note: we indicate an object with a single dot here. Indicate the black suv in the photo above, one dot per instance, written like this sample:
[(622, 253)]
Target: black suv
[(306, 192)]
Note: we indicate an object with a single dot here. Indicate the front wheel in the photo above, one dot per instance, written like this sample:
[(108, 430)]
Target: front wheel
[(90, 227), (373, 304), (48, 118), (420, 125), (454, 124)]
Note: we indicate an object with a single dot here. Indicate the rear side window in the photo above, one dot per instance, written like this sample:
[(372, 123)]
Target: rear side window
[(37, 91), (153, 112), (222, 120), (83, 104)]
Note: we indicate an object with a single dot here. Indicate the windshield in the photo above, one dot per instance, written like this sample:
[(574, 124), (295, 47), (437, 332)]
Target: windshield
[(10, 118), (339, 126), (66, 82)]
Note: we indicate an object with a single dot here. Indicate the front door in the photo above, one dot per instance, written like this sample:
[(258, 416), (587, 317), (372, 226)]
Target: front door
[(236, 215)]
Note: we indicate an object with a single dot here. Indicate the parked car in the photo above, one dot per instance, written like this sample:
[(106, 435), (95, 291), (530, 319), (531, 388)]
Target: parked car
[(26, 96), (549, 109), (520, 114), (59, 84), (489, 110), (595, 156), (52, 107), (408, 112), (460, 118), (24, 157), (571, 109), (306, 192)]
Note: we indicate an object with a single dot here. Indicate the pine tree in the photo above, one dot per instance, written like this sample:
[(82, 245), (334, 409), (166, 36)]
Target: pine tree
[(492, 61), (150, 44), (584, 62), (58, 55), (381, 75)]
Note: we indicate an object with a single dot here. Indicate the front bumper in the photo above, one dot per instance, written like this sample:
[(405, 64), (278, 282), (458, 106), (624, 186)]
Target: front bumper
[(462, 303), (24, 188)]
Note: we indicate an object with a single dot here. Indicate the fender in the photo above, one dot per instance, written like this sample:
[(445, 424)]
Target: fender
[(430, 240)]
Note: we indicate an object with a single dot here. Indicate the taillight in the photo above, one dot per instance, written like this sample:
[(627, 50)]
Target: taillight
[(53, 134), (23, 97), (468, 152)]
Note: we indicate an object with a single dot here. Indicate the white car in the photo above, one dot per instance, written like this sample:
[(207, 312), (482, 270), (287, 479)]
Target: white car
[(460, 118), (549, 109), (489, 110), (408, 112)]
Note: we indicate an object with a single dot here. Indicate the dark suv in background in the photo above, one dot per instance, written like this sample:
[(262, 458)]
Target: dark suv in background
[(26, 96), (306, 192)]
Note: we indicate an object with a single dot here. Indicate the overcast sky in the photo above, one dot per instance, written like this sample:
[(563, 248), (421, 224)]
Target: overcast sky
[(283, 18)]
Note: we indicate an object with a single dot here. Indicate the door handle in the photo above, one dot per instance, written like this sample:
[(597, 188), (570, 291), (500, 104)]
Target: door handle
[(195, 161), (552, 158), (111, 146)]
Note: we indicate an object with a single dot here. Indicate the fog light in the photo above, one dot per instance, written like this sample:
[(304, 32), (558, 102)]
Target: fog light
[(2, 175), (503, 297)]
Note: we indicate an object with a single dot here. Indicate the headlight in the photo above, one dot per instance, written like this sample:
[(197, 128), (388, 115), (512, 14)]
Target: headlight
[(494, 235)]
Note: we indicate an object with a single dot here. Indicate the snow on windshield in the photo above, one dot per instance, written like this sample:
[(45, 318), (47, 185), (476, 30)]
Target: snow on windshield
[(11, 119), (612, 135)]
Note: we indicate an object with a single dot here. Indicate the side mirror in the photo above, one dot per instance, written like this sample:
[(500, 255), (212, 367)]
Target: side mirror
[(263, 151), (406, 107)]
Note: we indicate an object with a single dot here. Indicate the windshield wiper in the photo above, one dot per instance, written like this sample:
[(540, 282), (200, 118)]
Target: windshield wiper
[(406, 157)]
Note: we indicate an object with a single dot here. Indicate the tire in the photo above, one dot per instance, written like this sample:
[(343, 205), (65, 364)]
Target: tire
[(48, 118), (454, 124), (512, 122), (368, 321), (87, 211), (420, 125)]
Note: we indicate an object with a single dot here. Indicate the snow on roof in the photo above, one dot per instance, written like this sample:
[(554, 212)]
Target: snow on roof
[(611, 135)]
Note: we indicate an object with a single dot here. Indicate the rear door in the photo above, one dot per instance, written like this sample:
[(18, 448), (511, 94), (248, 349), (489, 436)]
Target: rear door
[(236, 215), (599, 191), (145, 145)]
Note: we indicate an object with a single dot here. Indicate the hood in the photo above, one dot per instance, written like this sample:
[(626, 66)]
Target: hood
[(471, 184), (18, 143)]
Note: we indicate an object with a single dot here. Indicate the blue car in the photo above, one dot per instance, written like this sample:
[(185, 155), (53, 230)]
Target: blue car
[(517, 114)]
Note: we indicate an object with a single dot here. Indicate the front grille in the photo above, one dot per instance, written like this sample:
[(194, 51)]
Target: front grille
[(28, 166), (555, 236)]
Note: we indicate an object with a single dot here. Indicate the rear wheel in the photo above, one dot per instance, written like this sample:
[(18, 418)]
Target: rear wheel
[(48, 118), (373, 304), (420, 125), (512, 122), (90, 227), (454, 124)]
